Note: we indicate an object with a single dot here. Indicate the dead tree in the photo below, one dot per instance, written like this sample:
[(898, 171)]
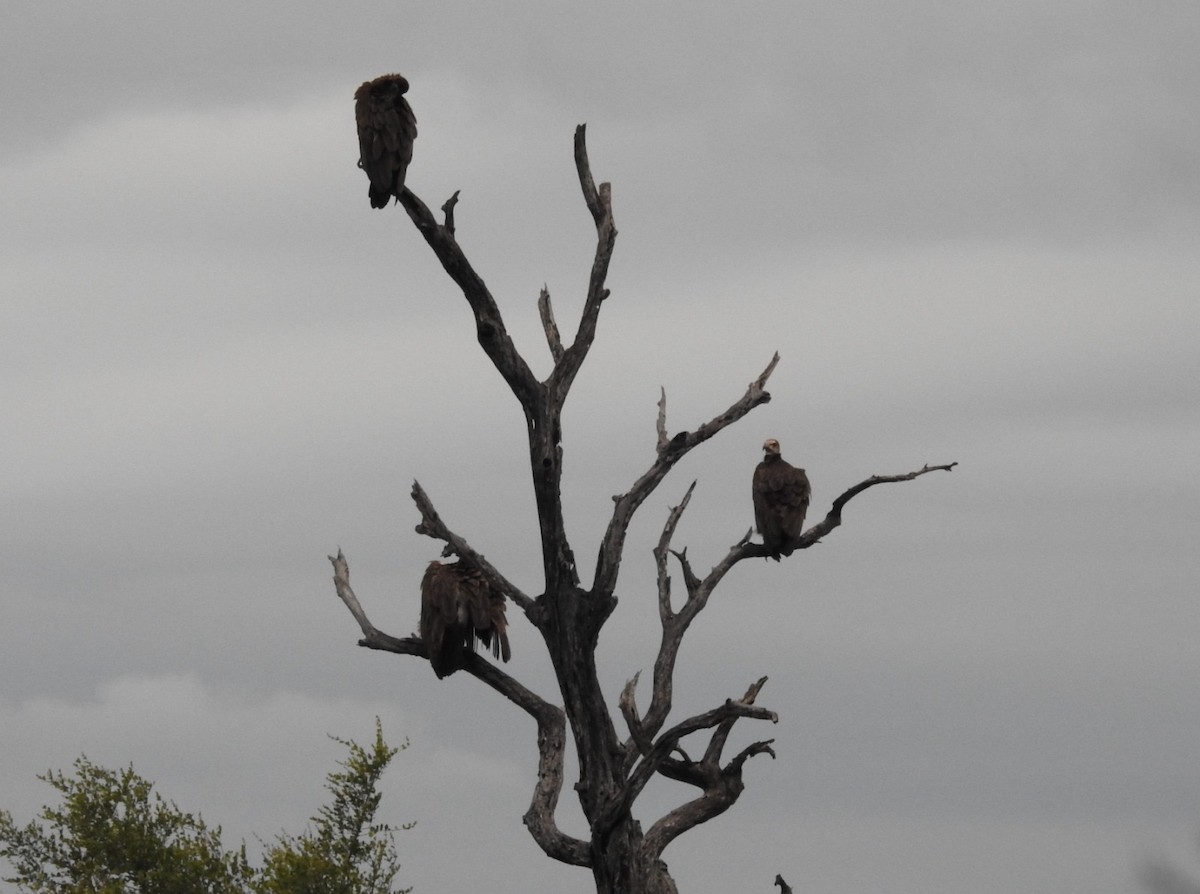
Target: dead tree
[(614, 766)]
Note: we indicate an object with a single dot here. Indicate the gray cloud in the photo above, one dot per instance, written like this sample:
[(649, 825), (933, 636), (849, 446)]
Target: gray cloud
[(971, 235)]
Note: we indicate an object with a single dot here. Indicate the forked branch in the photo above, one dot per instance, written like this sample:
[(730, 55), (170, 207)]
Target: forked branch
[(599, 203), (669, 452), (721, 785), (675, 623)]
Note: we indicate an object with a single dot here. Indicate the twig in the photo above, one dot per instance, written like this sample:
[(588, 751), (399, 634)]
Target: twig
[(628, 706), (341, 582), (661, 550), (448, 210), (546, 312), (661, 423)]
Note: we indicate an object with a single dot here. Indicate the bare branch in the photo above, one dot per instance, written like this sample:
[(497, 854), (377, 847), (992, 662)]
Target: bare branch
[(675, 625), (374, 638), (599, 202), (672, 635), (448, 210), (609, 561), (834, 518), (341, 582), (539, 818), (690, 581), (761, 381), (552, 725), (721, 785), (546, 312), (716, 745), (754, 748), (431, 525), (661, 424), (720, 793), (699, 591), (755, 395), (489, 326), (590, 194), (551, 722), (745, 549), (672, 628), (651, 762), (628, 705), (661, 550)]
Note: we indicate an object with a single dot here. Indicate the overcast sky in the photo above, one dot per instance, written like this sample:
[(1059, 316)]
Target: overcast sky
[(971, 231)]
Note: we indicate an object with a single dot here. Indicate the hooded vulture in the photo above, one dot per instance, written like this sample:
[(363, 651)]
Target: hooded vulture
[(781, 493), (386, 130), (457, 608)]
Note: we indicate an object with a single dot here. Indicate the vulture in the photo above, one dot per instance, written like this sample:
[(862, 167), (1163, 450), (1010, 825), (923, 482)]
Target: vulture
[(781, 493), (386, 130), (457, 608)]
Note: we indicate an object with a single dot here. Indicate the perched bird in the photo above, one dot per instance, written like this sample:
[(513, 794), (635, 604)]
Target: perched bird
[(386, 130), (458, 607), (781, 493)]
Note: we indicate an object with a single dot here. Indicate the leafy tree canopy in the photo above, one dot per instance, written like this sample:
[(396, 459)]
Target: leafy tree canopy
[(113, 834)]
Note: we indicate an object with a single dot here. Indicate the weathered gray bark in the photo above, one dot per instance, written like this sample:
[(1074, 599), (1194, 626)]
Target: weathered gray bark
[(614, 768)]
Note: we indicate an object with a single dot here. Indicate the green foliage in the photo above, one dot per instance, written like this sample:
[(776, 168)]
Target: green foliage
[(113, 834), (345, 851)]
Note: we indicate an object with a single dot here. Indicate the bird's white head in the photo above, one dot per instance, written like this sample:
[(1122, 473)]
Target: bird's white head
[(771, 447)]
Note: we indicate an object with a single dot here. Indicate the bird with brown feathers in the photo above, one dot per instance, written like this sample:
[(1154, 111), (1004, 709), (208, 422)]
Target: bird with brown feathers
[(458, 607), (781, 493), (386, 130)]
